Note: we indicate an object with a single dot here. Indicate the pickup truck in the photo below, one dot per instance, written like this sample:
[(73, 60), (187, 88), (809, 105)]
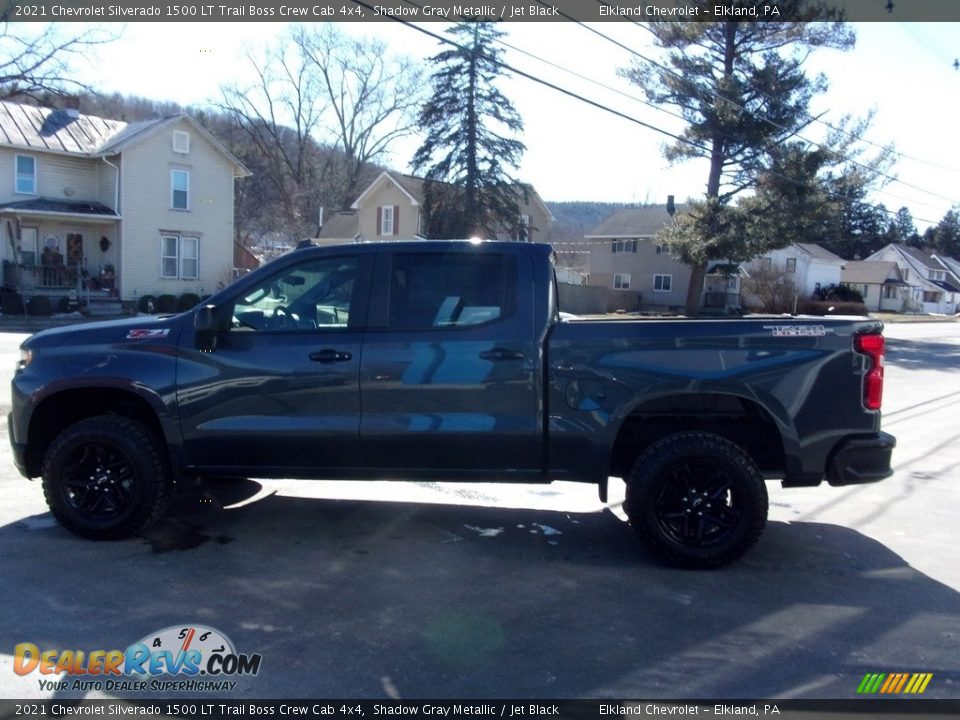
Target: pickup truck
[(448, 361)]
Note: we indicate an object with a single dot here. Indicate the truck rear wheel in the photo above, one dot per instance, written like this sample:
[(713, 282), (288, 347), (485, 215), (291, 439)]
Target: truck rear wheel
[(104, 478), (696, 499)]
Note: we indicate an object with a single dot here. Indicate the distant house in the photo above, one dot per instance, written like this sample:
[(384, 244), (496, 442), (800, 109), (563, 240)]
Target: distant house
[(99, 208), (391, 208), (933, 286), (626, 258), (880, 283), (808, 266), (244, 260)]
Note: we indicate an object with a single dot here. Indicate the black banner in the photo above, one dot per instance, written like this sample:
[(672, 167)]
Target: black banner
[(207, 709), (456, 10)]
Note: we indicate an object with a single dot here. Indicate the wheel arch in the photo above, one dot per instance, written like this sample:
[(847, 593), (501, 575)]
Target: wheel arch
[(66, 406), (741, 420)]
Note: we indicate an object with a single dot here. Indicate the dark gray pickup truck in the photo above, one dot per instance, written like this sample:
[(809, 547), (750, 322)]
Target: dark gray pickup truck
[(424, 360)]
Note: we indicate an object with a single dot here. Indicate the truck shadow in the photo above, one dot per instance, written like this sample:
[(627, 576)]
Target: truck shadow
[(355, 599)]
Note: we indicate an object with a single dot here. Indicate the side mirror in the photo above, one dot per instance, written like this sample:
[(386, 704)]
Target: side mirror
[(205, 331)]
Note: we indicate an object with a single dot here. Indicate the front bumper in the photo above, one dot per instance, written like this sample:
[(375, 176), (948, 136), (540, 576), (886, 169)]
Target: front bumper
[(19, 449), (862, 459)]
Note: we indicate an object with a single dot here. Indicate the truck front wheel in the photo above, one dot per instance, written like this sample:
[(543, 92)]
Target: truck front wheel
[(104, 478), (696, 499)]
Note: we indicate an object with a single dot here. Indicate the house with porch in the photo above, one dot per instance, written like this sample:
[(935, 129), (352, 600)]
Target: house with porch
[(391, 208), (103, 211), (933, 287), (879, 283)]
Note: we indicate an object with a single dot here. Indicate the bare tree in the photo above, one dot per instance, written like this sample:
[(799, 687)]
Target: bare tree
[(35, 59), (322, 110), (372, 98)]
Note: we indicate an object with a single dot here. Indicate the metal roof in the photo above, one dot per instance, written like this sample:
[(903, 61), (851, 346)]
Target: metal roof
[(59, 207), (40, 128), (634, 223)]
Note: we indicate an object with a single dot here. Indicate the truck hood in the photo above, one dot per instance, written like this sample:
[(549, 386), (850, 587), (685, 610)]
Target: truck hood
[(138, 329)]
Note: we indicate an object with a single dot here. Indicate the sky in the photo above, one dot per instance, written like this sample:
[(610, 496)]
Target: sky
[(903, 72)]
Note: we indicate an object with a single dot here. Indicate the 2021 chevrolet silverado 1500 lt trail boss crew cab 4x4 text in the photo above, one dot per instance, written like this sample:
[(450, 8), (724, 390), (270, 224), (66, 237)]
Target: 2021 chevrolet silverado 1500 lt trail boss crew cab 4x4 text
[(448, 360)]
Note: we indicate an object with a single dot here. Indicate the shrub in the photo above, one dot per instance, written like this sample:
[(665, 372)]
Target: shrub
[(187, 301), (167, 304), (39, 305), (11, 302), (827, 307), (147, 304)]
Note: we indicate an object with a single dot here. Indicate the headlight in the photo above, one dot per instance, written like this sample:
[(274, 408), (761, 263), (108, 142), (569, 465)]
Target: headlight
[(26, 357)]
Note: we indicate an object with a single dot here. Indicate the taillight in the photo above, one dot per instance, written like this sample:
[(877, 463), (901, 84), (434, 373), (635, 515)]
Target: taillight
[(872, 347)]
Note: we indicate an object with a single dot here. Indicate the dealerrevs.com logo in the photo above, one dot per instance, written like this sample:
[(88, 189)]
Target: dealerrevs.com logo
[(202, 658)]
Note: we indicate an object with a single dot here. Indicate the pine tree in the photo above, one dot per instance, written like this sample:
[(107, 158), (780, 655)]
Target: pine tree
[(742, 90), (468, 153)]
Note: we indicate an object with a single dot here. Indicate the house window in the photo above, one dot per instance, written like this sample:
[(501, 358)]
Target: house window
[(26, 181), (29, 237), (791, 265), (662, 283), (180, 189), (387, 219), (937, 275), (179, 257), (766, 263), (624, 246), (621, 281), (523, 229), (889, 292), (931, 297), (181, 142)]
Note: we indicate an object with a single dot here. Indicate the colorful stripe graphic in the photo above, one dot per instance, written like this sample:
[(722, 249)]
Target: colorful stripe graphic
[(894, 683)]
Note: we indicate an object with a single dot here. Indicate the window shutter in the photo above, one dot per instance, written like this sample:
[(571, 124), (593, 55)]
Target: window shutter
[(379, 221), (396, 219), (613, 246)]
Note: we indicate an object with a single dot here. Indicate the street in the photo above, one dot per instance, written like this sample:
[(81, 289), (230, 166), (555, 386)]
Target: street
[(417, 590)]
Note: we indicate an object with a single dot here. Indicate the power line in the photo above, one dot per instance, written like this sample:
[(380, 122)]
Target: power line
[(601, 106), (810, 118)]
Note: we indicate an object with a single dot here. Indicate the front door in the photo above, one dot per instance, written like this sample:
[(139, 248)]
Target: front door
[(281, 389)]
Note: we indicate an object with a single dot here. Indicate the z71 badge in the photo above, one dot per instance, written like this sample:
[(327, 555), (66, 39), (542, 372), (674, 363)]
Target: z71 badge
[(147, 334)]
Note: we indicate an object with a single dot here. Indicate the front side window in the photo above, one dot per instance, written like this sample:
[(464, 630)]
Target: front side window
[(791, 265), (26, 180), (621, 281), (179, 257), (453, 290), (314, 295), (624, 246), (180, 189), (662, 283)]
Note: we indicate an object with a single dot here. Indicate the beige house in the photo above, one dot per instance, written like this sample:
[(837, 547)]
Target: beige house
[(391, 209), (879, 282), (625, 257), (103, 210)]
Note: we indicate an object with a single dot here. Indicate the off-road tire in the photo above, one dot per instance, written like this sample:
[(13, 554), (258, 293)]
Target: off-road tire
[(105, 478), (697, 500)]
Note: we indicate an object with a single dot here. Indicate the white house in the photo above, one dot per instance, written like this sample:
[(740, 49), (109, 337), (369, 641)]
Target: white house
[(106, 209), (808, 266), (933, 288)]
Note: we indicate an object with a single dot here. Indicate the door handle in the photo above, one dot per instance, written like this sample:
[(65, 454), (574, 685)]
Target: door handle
[(330, 356), (502, 354)]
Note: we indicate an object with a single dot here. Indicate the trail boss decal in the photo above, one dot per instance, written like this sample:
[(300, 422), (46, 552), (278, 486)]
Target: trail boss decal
[(147, 334)]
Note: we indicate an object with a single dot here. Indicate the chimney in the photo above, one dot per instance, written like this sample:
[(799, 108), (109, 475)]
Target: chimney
[(71, 105), (671, 206)]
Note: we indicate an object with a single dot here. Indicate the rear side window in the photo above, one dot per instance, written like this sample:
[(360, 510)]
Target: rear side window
[(454, 290)]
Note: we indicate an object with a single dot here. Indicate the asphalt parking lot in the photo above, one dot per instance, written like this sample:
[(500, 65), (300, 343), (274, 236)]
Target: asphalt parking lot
[(415, 590)]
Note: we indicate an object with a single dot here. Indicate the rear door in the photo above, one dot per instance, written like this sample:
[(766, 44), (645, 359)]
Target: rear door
[(448, 376)]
